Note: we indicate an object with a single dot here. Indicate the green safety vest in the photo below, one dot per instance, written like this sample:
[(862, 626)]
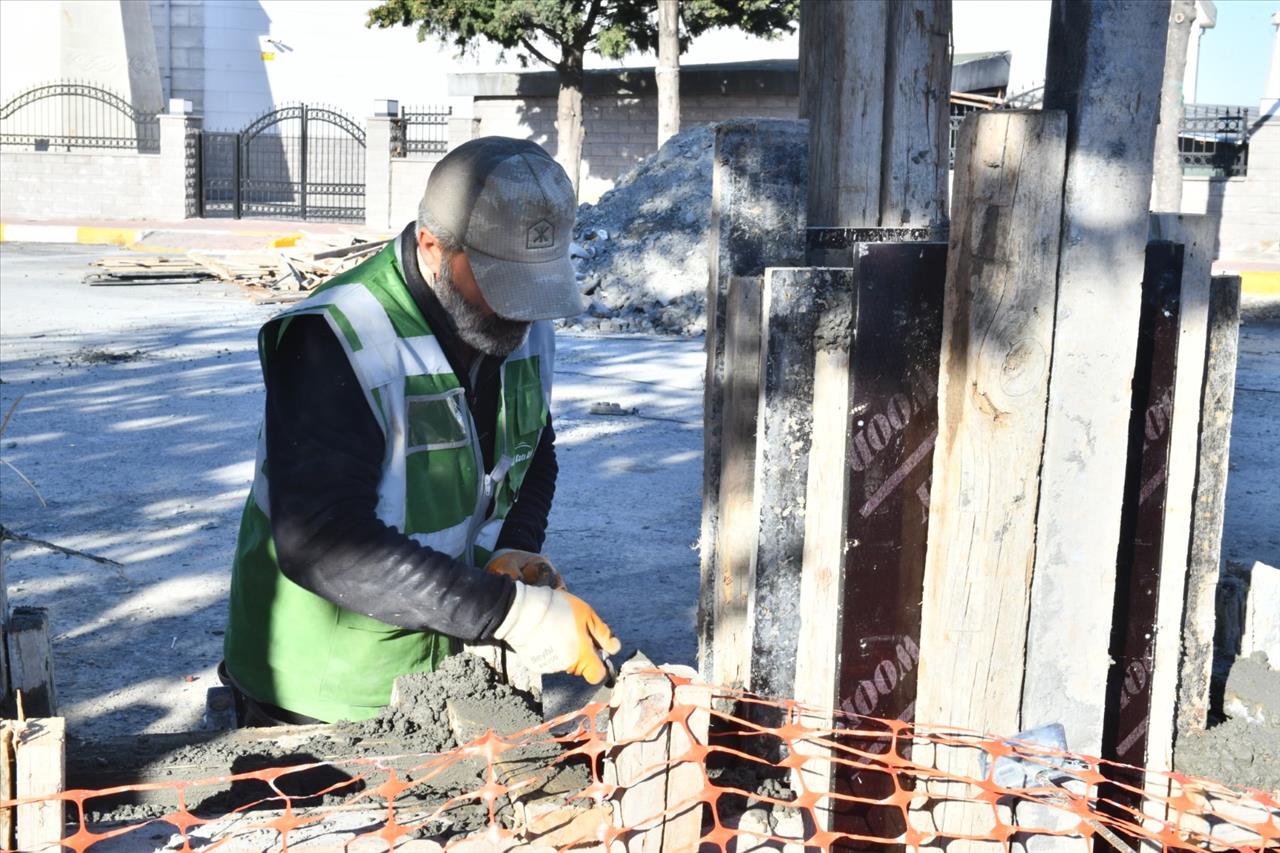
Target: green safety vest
[(292, 648)]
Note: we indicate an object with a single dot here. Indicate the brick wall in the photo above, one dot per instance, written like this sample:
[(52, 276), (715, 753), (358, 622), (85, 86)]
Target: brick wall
[(620, 130), (81, 184)]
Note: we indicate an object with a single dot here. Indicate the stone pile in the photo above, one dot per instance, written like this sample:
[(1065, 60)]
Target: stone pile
[(645, 243)]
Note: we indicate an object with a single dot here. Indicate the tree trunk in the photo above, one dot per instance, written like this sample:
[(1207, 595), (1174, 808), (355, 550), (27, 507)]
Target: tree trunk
[(1167, 193), (668, 71), (569, 129)]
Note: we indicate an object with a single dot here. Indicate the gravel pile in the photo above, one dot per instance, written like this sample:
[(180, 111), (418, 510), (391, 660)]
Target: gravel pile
[(646, 243)]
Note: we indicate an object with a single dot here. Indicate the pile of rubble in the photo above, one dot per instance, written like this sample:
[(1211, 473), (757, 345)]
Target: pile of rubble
[(642, 248)]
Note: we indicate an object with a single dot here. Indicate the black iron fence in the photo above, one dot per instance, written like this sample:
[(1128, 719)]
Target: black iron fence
[(296, 162), (958, 112), (420, 130), (66, 115), (1214, 140)]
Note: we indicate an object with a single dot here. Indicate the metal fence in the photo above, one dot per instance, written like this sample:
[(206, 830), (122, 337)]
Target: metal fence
[(67, 115), (1214, 140), (420, 130), (299, 161)]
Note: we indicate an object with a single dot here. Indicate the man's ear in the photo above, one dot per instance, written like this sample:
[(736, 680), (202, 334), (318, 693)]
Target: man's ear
[(430, 251)]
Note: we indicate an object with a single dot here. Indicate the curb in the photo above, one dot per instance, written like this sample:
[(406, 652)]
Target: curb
[(1260, 283), (70, 234), (124, 237)]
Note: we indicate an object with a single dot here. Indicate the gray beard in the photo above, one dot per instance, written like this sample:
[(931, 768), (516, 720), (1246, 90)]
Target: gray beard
[(491, 335)]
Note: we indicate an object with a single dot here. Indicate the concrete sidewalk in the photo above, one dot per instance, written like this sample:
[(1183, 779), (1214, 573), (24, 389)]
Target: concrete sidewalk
[(184, 235)]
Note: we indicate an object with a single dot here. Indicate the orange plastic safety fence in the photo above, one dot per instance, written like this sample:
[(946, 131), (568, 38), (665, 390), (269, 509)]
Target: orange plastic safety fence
[(772, 775)]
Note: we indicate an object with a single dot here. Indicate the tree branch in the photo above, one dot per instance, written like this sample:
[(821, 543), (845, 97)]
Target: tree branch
[(588, 28), (528, 45), (7, 533)]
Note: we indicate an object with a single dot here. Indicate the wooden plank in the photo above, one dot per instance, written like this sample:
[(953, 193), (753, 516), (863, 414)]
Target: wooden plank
[(1104, 66), (997, 338), (737, 528), (7, 788), (686, 740), (825, 538), (39, 750), (31, 661), (893, 403), (1138, 564), (1198, 237), (1213, 451), (757, 219), (795, 302), (638, 765), (656, 764), (4, 632)]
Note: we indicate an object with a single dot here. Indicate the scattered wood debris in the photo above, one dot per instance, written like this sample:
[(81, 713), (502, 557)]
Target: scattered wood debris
[(286, 275)]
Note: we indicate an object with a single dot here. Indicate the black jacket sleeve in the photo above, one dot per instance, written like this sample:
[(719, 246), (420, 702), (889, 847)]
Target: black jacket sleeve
[(324, 462), (525, 526)]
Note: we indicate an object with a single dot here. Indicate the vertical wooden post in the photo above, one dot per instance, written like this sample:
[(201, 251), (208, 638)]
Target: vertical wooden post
[(659, 776), (796, 301), (869, 462), (1104, 66), (758, 190), (31, 661), (8, 787), (39, 749), (4, 634), (668, 70), (997, 338), (842, 68), (913, 182), (1198, 237), (1213, 450), (825, 535)]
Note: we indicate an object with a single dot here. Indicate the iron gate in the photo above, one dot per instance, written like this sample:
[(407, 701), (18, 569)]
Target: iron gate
[(295, 162)]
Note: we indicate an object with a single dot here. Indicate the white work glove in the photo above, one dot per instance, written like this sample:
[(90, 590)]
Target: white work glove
[(554, 631)]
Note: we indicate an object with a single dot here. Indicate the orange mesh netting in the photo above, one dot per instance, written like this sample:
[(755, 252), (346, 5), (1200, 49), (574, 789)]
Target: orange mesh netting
[(771, 775)]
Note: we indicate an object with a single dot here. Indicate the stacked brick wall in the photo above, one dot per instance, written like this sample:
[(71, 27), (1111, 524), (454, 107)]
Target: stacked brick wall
[(81, 184)]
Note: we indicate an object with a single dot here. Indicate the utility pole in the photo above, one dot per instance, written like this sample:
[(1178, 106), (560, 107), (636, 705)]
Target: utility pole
[(1167, 191), (668, 70)]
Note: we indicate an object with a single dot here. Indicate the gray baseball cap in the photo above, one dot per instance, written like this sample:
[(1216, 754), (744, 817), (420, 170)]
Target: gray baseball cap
[(512, 208)]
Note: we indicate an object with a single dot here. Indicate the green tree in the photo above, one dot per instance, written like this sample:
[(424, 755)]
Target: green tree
[(560, 33)]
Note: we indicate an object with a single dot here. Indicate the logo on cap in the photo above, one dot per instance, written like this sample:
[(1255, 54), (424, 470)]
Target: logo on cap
[(542, 235)]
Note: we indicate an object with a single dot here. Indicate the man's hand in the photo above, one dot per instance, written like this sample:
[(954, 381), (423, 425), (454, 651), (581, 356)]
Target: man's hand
[(554, 631), (533, 569)]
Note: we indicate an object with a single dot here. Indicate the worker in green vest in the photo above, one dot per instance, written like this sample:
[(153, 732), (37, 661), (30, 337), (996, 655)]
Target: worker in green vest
[(407, 447)]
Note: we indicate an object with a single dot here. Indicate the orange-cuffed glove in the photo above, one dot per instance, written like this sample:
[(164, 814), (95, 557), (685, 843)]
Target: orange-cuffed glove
[(554, 631), (533, 569)]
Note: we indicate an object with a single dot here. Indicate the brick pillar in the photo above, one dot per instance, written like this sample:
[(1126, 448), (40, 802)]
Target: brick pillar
[(179, 195), (377, 170)]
